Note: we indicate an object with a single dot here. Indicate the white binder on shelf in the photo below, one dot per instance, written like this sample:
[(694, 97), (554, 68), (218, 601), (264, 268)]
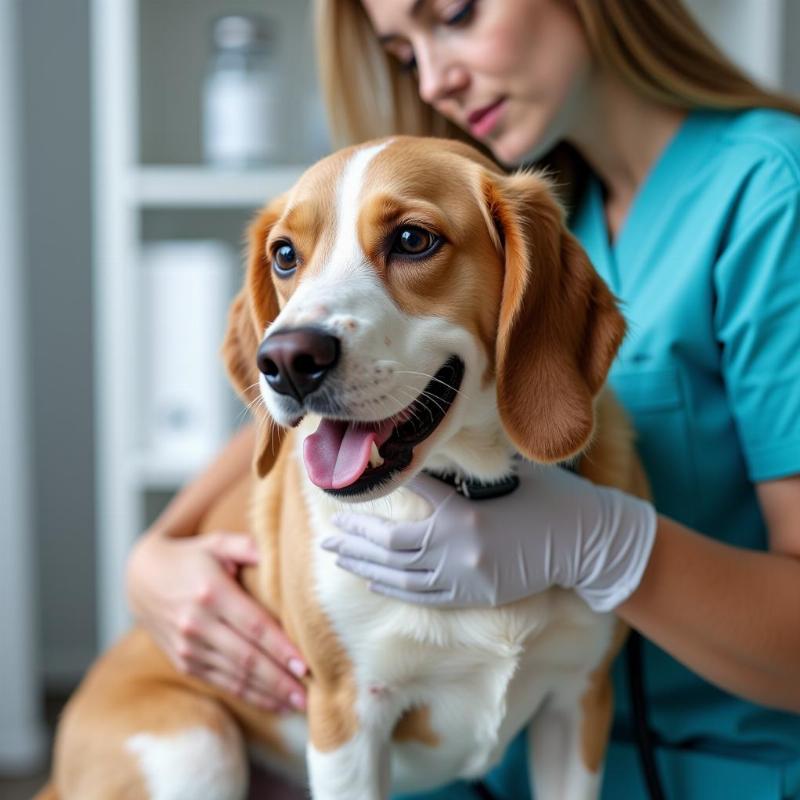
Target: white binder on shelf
[(185, 295)]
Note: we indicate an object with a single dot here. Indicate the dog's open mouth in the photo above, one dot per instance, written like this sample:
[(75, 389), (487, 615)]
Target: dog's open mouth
[(350, 457)]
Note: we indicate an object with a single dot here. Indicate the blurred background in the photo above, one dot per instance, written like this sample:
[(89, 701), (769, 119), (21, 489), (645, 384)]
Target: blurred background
[(137, 137)]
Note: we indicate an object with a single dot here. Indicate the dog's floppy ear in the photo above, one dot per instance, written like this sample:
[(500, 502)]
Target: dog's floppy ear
[(559, 327), (252, 310)]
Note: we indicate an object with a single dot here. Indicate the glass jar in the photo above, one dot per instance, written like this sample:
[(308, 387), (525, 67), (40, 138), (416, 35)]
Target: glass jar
[(240, 94)]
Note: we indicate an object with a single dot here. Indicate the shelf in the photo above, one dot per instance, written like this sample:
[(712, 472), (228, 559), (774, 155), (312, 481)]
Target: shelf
[(208, 187)]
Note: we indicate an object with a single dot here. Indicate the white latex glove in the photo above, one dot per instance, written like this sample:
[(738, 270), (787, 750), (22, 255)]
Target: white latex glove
[(556, 529)]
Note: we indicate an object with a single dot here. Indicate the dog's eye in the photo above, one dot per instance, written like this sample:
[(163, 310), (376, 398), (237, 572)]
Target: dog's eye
[(413, 241), (284, 260)]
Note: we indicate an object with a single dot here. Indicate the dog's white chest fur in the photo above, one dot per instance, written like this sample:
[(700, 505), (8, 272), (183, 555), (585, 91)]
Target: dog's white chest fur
[(480, 673)]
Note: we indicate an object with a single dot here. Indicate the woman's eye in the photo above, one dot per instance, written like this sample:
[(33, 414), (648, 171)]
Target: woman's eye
[(409, 65), (404, 56), (414, 241), (463, 15), (284, 260)]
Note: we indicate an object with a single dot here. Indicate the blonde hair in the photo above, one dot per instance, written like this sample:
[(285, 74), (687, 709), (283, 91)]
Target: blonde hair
[(655, 46), (366, 93)]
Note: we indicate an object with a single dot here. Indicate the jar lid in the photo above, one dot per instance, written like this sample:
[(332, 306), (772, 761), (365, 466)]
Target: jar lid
[(241, 32)]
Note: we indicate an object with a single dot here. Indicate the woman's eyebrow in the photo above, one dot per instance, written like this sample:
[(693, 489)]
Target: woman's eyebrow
[(413, 11)]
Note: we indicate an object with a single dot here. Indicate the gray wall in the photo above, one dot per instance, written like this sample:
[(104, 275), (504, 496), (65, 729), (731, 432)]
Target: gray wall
[(21, 732), (791, 47), (56, 171)]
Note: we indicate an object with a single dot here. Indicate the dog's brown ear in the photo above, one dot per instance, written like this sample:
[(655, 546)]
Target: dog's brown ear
[(559, 327), (252, 310)]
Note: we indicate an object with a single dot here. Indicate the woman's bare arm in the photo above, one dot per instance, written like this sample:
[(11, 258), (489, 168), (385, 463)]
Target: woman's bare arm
[(182, 589), (183, 515), (729, 614)]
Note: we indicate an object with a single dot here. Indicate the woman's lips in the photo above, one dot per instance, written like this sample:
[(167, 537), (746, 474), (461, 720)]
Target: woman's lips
[(482, 121)]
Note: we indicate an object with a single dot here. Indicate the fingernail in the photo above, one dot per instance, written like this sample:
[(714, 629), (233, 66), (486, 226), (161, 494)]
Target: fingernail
[(297, 667), (329, 543), (298, 701)]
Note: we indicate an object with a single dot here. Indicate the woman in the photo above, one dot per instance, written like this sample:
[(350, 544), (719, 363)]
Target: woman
[(682, 180)]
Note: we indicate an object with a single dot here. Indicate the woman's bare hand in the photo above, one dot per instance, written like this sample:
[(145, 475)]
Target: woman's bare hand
[(184, 592)]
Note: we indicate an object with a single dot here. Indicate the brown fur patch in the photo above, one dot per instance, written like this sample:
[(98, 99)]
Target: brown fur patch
[(415, 726), (598, 704), (331, 687)]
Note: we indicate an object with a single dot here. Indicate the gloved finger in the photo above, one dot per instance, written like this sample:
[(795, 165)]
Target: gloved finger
[(434, 490), (358, 547), (382, 532), (407, 580), (439, 598)]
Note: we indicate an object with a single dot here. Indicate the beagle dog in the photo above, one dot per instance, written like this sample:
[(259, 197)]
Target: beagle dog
[(406, 306)]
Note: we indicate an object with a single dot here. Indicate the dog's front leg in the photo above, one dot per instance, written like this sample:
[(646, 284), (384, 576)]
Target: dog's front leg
[(567, 740), (347, 754)]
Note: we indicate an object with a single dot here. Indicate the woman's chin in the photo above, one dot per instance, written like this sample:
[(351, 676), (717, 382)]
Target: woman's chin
[(516, 151)]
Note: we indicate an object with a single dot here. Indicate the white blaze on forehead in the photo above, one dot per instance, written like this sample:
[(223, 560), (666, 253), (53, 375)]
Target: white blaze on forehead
[(334, 285), (347, 252)]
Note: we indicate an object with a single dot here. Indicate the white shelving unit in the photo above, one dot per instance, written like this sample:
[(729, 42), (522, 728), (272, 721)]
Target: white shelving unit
[(148, 59)]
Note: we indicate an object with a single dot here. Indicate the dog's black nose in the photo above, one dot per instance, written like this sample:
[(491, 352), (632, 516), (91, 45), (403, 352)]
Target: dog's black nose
[(295, 362)]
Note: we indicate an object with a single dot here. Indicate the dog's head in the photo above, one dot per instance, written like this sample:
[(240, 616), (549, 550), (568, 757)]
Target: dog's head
[(429, 310)]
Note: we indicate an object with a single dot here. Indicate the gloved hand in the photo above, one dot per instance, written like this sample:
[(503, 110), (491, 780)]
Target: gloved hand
[(556, 529)]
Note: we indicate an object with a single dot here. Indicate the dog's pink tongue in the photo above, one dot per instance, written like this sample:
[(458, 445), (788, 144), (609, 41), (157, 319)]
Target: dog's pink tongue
[(337, 454)]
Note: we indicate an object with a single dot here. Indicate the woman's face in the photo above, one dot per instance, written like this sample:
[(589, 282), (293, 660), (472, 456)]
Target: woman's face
[(512, 73)]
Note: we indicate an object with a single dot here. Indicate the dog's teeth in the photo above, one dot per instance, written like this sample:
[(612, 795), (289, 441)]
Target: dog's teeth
[(375, 459)]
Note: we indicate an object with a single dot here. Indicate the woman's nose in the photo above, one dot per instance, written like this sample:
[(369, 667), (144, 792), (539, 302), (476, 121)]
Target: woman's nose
[(440, 76)]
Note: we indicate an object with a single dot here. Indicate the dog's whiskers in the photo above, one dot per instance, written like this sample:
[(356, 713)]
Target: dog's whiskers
[(273, 429), (410, 407), (432, 378), (248, 406), (434, 400), (376, 405), (274, 435)]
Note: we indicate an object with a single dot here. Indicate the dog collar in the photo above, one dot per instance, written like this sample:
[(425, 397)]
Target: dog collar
[(477, 490)]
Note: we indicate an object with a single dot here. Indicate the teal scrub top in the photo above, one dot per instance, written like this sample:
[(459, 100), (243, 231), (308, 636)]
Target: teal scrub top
[(707, 269)]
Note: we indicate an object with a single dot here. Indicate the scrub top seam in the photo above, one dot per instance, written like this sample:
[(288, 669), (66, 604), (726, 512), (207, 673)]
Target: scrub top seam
[(773, 148), (765, 207)]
